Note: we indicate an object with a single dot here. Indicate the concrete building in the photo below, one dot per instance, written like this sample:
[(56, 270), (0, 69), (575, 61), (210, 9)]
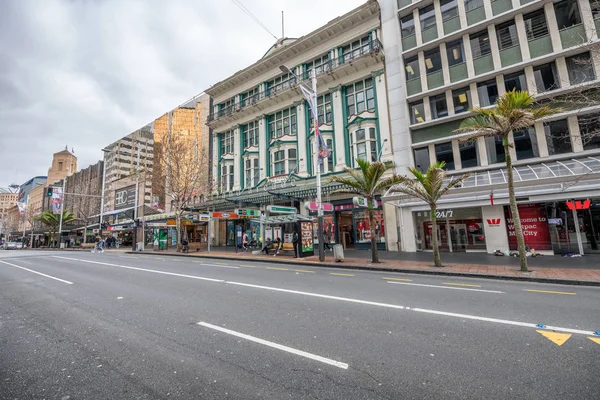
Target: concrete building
[(262, 151), (444, 57), (83, 190), (8, 200)]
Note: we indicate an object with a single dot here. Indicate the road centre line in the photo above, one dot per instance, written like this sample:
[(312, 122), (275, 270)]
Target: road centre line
[(39, 273), (304, 270), (460, 284), (337, 274), (445, 287), (248, 266), (397, 279), (549, 291), (220, 266), (277, 269), (351, 300), (276, 346)]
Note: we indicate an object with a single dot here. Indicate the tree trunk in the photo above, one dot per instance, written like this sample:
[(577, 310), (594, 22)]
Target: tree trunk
[(85, 234), (437, 262), (374, 254), (513, 207)]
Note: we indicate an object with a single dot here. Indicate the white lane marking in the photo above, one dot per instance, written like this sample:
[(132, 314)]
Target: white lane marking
[(276, 346), (357, 301), (324, 296), (445, 287), (145, 270), (502, 321), (39, 273), (220, 266)]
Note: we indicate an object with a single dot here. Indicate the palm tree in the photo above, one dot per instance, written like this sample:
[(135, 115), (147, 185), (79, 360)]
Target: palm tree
[(52, 221), (367, 181), (429, 187), (513, 111)]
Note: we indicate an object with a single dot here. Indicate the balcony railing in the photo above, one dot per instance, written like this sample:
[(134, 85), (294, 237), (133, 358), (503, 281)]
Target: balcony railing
[(374, 47)]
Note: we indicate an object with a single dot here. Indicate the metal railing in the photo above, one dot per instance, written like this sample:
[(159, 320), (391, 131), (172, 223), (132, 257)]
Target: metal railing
[(374, 47)]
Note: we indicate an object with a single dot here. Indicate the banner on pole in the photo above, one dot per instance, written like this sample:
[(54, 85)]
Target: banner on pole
[(57, 200), (322, 150), (21, 205)]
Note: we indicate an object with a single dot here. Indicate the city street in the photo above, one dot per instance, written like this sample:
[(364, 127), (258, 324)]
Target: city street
[(81, 325)]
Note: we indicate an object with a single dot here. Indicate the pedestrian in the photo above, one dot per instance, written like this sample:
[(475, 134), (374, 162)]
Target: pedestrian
[(245, 241), (184, 246), (265, 249), (278, 245), (326, 241), (295, 241)]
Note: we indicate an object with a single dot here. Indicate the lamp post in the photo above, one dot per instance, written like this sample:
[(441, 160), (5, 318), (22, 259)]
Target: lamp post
[(313, 91), (62, 208), (102, 190)]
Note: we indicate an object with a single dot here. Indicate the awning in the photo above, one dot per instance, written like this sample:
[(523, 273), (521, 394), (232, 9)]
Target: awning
[(554, 177)]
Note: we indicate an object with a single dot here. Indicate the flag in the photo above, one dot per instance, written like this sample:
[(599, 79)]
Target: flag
[(21, 205), (322, 150)]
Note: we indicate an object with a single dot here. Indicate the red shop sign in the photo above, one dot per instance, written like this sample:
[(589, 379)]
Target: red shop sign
[(579, 205), (534, 225)]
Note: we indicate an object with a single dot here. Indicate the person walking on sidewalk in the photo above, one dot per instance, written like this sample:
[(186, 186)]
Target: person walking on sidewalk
[(295, 243), (326, 240), (245, 241)]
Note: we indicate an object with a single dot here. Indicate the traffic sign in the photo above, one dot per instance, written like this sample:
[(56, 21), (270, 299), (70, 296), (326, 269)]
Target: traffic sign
[(362, 202), (282, 210), (314, 206)]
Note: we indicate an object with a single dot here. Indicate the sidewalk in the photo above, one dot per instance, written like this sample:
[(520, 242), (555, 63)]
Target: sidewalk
[(548, 269)]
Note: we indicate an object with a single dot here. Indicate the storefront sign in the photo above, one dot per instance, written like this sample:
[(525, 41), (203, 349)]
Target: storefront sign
[(282, 210), (125, 197), (248, 213), (344, 207), (494, 222), (362, 202), (534, 225), (444, 213), (314, 206), (116, 228), (225, 215), (579, 205)]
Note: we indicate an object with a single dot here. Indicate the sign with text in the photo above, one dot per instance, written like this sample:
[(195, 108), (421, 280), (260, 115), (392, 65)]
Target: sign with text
[(534, 225), (248, 213), (314, 206), (362, 202), (125, 197), (282, 210), (224, 215)]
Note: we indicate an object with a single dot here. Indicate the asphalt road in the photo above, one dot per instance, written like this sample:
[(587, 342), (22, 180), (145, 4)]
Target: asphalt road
[(78, 325)]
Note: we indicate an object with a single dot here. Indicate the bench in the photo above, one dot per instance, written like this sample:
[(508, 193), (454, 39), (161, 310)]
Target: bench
[(87, 245), (287, 246)]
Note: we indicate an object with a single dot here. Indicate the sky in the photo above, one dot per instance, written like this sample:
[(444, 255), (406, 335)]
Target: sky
[(84, 73)]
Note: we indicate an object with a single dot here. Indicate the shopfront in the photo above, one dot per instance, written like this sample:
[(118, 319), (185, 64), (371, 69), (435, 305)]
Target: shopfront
[(459, 229)]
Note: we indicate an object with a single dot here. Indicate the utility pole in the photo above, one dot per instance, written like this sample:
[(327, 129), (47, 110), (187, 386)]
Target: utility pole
[(135, 207)]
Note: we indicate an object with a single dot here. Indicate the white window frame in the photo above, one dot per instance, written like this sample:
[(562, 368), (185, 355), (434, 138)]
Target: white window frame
[(227, 177), (289, 122), (290, 164), (227, 142), (369, 142), (251, 134), (362, 92), (251, 171)]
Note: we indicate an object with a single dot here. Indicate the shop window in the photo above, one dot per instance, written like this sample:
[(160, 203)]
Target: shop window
[(535, 24), (407, 26), (454, 51), (473, 5), (422, 161), (433, 62), (411, 65), (494, 150), (515, 82), (589, 128), (558, 137), (526, 145), (480, 44), (362, 226), (462, 229), (438, 105), (507, 35), (488, 92), (546, 77), (417, 113), (461, 99), (468, 154), (581, 68), (443, 152), (449, 9), (427, 17), (567, 14), (364, 145)]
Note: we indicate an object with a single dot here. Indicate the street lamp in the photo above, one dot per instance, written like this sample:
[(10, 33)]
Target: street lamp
[(313, 91), (102, 191)]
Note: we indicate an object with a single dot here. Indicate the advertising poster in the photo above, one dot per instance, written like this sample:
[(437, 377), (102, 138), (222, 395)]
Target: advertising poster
[(328, 230), (363, 232), (534, 225), (306, 236)]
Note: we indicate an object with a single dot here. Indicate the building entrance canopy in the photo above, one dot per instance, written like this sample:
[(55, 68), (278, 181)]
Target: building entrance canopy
[(283, 219), (561, 177)]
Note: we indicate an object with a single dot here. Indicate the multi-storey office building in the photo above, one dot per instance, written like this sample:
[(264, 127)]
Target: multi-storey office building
[(262, 126), (444, 57)]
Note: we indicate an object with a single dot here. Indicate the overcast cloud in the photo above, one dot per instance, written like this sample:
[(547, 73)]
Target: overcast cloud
[(84, 73)]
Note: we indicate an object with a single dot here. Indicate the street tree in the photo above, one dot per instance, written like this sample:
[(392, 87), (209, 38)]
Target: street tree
[(180, 174), (52, 221), (430, 187), (368, 181), (513, 111), (8, 223)]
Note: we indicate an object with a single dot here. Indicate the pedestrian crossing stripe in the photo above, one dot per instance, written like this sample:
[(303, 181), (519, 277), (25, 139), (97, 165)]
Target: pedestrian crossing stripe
[(595, 339), (556, 338)]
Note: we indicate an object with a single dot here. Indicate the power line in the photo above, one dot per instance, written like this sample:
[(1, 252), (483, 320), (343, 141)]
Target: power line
[(248, 13)]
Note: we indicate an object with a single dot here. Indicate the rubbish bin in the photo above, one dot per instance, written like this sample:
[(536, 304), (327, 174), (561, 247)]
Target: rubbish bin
[(338, 252), (139, 246)]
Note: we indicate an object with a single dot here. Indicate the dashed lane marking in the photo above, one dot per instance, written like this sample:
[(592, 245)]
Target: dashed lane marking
[(248, 266), (549, 291), (397, 279), (336, 274), (304, 270), (461, 284), (278, 269), (445, 287)]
